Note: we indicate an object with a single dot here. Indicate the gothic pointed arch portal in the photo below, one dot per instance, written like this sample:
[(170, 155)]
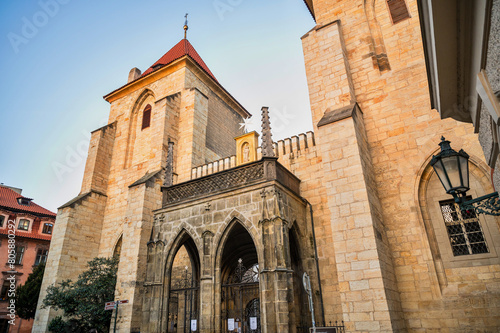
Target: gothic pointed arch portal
[(183, 302), (240, 298)]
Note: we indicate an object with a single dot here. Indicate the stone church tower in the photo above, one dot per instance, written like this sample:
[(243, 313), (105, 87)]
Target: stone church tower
[(215, 233)]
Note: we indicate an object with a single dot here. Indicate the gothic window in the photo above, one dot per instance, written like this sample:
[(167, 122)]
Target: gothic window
[(457, 237), (19, 255), (47, 228), (398, 10), (24, 224), (41, 256), (464, 229), (146, 117)]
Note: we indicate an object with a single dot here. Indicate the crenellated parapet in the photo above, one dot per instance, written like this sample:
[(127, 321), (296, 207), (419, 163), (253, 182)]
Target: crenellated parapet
[(292, 147), (285, 149)]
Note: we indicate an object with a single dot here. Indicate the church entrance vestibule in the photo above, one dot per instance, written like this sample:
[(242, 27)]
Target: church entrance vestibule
[(240, 300)]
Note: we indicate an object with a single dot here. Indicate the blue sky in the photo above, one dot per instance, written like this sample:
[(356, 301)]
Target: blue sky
[(59, 57)]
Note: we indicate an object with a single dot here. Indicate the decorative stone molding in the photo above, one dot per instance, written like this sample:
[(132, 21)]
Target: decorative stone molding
[(255, 172)]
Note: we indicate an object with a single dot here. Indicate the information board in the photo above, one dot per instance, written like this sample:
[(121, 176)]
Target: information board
[(253, 323), (230, 324)]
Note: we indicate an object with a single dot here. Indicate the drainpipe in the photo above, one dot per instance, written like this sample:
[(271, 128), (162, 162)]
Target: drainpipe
[(317, 261)]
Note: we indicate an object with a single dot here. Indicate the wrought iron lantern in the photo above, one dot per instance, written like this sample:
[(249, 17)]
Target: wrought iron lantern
[(452, 168)]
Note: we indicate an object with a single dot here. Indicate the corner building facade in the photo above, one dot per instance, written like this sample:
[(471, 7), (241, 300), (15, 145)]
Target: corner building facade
[(215, 236)]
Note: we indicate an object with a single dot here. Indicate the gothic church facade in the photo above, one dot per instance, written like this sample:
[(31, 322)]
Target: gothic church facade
[(215, 233)]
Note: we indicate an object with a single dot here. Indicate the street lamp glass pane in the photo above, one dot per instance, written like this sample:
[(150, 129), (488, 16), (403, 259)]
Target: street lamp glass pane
[(450, 163), (464, 168), (438, 167)]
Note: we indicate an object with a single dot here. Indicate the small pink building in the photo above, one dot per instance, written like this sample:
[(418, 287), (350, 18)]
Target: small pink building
[(27, 228)]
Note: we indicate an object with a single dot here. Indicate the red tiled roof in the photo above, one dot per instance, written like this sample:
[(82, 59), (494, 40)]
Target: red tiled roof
[(26, 234), (8, 199), (181, 49)]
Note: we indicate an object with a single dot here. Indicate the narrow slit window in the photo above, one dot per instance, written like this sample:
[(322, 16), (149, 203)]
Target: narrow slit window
[(146, 117), (398, 10)]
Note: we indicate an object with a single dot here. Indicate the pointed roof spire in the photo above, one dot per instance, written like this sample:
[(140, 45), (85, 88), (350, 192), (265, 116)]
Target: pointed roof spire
[(186, 26), (181, 49), (267, 141)]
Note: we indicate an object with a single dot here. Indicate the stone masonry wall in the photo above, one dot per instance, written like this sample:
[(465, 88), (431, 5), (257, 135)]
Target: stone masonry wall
[(99, 159), (402, 133), (221, 119), (75, 241), (301, 156), (143, 199)]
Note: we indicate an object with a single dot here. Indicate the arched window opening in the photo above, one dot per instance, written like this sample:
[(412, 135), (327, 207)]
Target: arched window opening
[(240, 301), (303, 318), (183, 296), (146, 117), (457, 237)]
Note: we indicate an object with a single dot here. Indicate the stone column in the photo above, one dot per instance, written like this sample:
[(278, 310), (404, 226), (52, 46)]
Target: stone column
[(367, 284), (206, 317), (276, 275), (207, 289)]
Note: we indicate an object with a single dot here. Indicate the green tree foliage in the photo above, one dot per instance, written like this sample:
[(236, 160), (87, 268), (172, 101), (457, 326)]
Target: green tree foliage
[(27, 294), (83, 301)]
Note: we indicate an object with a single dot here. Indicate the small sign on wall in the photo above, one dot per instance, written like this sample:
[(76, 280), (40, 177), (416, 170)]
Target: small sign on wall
[(253, 323), (193, 325), (230, 324)]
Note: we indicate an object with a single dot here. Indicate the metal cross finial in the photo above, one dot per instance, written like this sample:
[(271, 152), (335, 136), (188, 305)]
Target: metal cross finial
[(186, 25)]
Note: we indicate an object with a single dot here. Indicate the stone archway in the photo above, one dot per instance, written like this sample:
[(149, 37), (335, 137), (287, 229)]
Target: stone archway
[(240, 293), (301, 302), (182, 284)]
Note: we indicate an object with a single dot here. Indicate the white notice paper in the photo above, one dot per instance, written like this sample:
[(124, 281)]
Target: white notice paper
[(193, 325), (253, 323), (230, 324)]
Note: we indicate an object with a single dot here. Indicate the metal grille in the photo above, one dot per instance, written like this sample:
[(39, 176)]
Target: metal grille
[(240, 300), (182, 303), (337, 327), (464, 229)]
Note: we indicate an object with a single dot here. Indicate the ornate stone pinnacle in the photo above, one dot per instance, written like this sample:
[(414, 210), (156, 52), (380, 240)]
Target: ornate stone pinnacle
[(267, 141), (169, 168)]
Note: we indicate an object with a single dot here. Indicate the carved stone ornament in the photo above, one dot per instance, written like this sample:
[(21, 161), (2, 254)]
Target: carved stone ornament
[(169, 168), (267, 141)]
